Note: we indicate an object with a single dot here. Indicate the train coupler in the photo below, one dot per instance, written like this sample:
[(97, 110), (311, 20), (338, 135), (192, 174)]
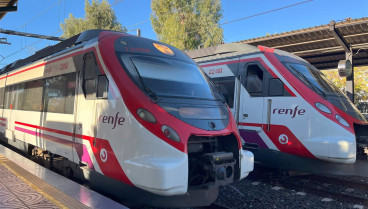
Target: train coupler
[(220, 167)]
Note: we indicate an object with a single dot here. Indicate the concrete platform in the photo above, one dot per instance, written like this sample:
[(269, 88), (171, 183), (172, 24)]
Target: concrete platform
[(25, 184)]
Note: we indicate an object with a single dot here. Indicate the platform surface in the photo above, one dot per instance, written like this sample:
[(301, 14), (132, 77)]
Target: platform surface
[(25, 184)]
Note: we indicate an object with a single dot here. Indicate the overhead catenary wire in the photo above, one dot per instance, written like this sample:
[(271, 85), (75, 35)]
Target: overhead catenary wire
[(28, 46), (227, 22), (258, 14), (246, 17), (38, 15), (266, 12), (43, 12)]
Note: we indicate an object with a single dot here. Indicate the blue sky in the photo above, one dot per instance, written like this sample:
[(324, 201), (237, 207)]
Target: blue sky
[(44, 17)]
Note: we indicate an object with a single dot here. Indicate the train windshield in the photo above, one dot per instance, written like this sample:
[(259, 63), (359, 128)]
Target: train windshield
[(318, 82), (314, 79), (172, 78)]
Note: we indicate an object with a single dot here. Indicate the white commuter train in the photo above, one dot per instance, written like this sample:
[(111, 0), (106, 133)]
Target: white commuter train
[(138, 114), (288, 112)]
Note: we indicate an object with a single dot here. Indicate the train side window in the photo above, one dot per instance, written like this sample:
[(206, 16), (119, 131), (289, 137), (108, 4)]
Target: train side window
[(275, 87), (89, 76), (94, 84), (102, 87), (9, 96), (29, 96), (59, 94), (226, 86), (2, 92), (254, 80)]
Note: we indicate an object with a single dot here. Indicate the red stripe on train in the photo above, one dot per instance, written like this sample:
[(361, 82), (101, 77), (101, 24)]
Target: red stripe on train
[(109, 165), (283, 139)]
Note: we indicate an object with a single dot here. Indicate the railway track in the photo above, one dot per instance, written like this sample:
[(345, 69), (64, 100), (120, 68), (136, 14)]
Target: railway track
[(214, 206), (318, 185), (323, 192), (363, 186)]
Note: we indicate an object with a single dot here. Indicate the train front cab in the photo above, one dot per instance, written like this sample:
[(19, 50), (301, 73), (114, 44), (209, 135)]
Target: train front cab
[(174, 137), (281, 116)]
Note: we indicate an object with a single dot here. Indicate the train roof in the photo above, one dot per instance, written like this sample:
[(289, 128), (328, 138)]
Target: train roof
[(222, 51), (70, 44), (43, 53), (232, 50)]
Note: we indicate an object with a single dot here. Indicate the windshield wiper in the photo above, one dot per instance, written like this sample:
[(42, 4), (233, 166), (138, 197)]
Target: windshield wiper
[(222, 98), (152, 94), (312, 85)]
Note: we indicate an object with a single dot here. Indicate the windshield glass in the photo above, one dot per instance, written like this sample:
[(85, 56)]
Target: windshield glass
[(313, 78), (172, 78)]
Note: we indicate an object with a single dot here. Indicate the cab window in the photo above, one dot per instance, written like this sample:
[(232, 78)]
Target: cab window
[(254, 80)]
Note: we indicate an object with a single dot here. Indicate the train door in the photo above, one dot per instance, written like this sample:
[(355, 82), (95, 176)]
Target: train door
[(252, 96), (92, 92), (227, 87), (261, 92), (58, 107)]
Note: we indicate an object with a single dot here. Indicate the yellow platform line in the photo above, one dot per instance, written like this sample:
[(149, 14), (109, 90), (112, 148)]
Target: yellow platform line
[(23, 175), (53, 200)]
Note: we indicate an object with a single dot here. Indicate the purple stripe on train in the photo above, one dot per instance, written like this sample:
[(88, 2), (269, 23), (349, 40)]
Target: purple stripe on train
[(80, 148), (251, 136)]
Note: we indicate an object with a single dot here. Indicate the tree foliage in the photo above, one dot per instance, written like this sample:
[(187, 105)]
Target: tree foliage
[(187, 24), (99, 15), (360, 82)]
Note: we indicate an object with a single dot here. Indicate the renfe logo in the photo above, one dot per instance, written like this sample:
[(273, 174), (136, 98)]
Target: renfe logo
[(112, 120), (291, 112)]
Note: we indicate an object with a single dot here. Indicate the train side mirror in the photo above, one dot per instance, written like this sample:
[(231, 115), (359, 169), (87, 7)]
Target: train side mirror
[(345, 68), (276, 87), (102, 87)]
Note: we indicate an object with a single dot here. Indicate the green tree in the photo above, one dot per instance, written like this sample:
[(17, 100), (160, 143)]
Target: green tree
[(360, 82), (99, 15), (187, 24)]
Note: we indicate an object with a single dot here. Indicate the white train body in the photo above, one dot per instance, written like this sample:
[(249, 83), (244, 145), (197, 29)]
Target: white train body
[(81, 103), (287, 111)]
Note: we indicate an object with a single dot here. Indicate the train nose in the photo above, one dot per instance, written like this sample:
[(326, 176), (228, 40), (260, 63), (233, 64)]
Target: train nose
[(342, 151)]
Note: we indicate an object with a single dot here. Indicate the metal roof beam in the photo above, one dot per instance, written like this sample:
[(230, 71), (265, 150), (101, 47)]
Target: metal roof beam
[(339, 38), (9, 9)]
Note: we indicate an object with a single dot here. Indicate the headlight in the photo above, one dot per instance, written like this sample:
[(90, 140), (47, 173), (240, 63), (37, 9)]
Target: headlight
[(323, 108), (342, 120), (170, 133), (146, 115)]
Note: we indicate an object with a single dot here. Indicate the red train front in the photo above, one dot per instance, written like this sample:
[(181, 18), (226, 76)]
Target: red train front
[(179, 138)]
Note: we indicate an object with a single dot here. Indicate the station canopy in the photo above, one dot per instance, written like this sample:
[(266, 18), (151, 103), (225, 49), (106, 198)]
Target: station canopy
[(7, 6), (323, 46)]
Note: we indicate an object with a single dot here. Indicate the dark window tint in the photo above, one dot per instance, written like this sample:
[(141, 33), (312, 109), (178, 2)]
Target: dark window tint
[(59, 94), (90, 73), (29, 96), (276, 87), (10, 100), (254, 80), (226, 86), (172, 78), (102, 87), (2, 92), (89, 67)]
